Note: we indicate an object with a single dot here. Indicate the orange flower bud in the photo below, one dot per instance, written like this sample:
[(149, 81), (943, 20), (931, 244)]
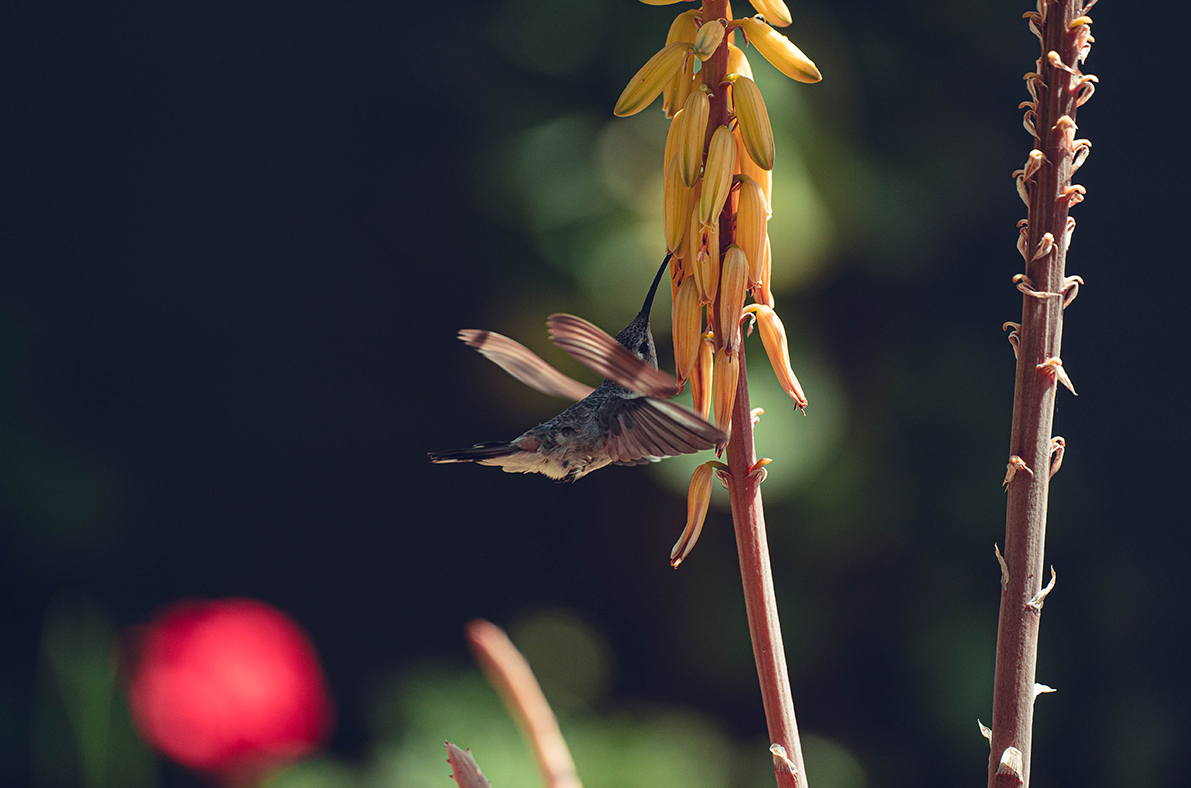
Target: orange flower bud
[(690, 138), (647, 83), (750, 226), (755, 129), (687, 326), (763, 177), (738, 63), (732, 291), (775, 12), (723, 384), (773, 336), (717, 175), (676, 207), (698, 498), (701, 377), (708, 39), (780, 51)]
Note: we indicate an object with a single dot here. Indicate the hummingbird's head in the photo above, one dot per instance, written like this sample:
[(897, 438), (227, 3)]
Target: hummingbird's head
[(637, 336)]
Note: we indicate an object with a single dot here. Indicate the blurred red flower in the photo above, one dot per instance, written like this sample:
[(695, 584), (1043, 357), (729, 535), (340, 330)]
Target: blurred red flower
[(231, 688)]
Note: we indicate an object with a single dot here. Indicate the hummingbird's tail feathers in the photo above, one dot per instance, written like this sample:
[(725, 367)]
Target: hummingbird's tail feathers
[(647, 429), (478, 453), (654, 287), (592, 346), (523, 364)]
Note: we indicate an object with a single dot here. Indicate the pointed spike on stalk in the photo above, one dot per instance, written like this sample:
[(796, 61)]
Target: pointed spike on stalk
[(1042, 689), (985, 731), (647, 83), (1053, 368), (1010, 765), (755, 129), (781, 761), (1038, 599), (1004, 566), (779, 51), (698, 498)]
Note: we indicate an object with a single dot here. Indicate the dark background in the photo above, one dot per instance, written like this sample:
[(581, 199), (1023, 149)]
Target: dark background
[(237, 240)]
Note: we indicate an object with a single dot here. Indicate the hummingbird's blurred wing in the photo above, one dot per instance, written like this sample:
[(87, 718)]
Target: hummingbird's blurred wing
[(593, 347), (523, 364), (643, 429)]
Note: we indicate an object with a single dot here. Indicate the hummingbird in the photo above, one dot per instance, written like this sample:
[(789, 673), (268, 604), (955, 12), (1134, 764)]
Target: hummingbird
[(627, 420)]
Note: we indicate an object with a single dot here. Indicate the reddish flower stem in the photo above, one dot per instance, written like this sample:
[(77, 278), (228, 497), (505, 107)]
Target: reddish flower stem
[(1039, 339), (744, 490), (512, 677)]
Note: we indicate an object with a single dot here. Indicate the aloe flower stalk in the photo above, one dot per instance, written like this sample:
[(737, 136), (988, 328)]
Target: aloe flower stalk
[(722, 151), (1057, 88)]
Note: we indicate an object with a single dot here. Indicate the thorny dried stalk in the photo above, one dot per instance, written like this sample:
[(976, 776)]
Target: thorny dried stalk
[(717, 185), (1057, 88)]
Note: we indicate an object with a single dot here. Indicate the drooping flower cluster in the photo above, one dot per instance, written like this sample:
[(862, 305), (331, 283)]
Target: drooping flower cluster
[(717, 176)]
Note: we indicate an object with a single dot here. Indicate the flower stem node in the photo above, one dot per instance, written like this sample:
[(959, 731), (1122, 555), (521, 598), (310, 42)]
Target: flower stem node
[(1053, 367), (758, 469), (1071, 289), (779, 51), (647, 83), (1010, 767), (1038, 599), (1027, 287), (755, 128), (1015, 464), (1057, 447), (1004, 566), (755, 415), (781, 761)]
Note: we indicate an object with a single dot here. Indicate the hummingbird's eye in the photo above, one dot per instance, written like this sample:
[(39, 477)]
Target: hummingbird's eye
[(642, 348)]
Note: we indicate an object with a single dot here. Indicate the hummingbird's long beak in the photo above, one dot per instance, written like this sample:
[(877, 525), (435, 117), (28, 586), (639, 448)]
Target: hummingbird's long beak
[(654, 287)]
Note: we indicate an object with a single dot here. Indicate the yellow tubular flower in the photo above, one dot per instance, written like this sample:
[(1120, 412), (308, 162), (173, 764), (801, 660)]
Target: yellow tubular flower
[(717, 175), (773, 10), (704, 252), (764, 178), (690, 138), (750, 226), (755, 129), (773, 336), (738, 63), (688, 327), (684, 27), (676, 207), (763, 294), (698, 498), (708, 39), (701, 377), (723, 385), (647, 84), (779, 51), (732, 292), (671, 140), (677, 89)]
